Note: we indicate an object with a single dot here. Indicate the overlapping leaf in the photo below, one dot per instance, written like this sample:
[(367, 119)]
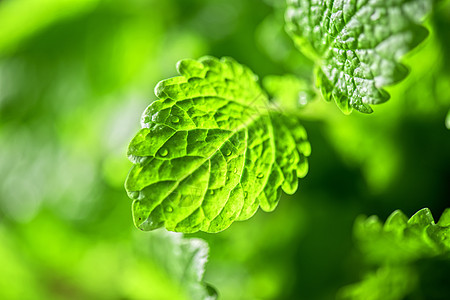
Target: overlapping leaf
[(211, 151), (357, 45)]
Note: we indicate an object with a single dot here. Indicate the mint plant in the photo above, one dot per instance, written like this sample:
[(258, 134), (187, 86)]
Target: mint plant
[(211, 150), (357, 45), (401, 239), (214, 147), (399, 247)]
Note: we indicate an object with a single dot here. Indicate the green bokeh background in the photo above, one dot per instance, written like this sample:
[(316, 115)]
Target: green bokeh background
[(75, 76)]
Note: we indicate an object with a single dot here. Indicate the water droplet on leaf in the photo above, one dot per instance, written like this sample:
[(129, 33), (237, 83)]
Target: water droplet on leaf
[(151, 223), (260, 175), (169, 209), (146, 119), (175, 119), (228, 152), (134, 195), (163, 152)]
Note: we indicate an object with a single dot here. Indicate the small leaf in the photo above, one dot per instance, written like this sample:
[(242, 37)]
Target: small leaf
[(357, 45), (401, 240), (211, 151)]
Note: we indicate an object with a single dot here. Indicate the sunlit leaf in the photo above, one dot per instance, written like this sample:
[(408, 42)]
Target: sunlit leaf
[(211, 150), (357, 45)]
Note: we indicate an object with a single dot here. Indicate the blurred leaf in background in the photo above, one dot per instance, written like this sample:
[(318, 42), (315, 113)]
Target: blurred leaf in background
[(413, 256)]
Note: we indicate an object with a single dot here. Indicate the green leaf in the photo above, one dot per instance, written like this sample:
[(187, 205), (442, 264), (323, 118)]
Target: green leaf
[(183, 259), (211, 150), (357, 45), (401, 240)]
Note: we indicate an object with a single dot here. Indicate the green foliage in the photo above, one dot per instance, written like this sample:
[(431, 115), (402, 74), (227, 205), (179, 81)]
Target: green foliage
[(401, 247), (403, 240), (74, 76), (357, 45), (211, 150)]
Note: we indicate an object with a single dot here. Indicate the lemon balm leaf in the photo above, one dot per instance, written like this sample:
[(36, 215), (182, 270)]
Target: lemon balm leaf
[(357, 45), (401, 240), (212, 150)]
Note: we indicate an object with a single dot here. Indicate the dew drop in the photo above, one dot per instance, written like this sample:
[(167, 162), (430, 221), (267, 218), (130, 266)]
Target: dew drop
[(163, 152), (169, 209), (146, 119), (134, 195), (260, 175), (245, 195), (228, 152), (151, 223), (228, 178), (235, 170), (142, 160), (211, 192), (175, 119)]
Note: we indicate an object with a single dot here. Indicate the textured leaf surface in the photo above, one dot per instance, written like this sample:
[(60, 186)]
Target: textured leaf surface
[(211, 151), (184, 261), (401, 240), (357, 45)]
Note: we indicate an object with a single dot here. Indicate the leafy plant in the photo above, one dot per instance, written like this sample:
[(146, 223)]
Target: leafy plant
[(401, 239), (401, 247), (357, 45), (214, 148), (73, 78), (211, 150)]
